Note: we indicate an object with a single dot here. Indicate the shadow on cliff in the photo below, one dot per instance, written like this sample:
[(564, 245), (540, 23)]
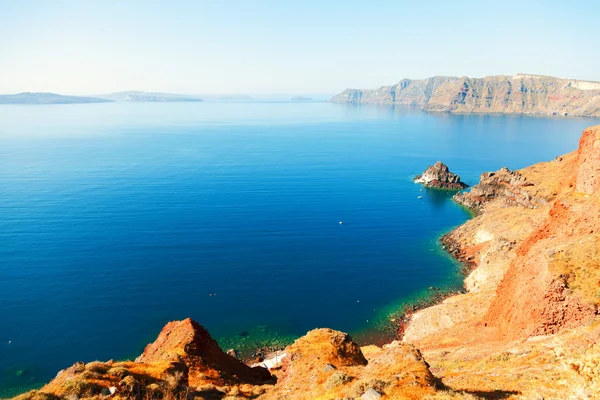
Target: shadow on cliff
[(480, 394)]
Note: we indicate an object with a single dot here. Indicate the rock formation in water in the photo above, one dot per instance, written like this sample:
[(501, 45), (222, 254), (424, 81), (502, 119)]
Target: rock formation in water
[(439, 176), (527, 327), (519, 94)]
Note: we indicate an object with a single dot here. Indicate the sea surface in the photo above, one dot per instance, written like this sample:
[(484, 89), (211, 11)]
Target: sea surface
[(260, 220)]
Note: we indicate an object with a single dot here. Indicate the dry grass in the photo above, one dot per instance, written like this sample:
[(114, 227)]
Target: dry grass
[(578, 261), (36, 395), (97, 366)]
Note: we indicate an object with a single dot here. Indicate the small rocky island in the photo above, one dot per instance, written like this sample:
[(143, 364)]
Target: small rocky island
[(439, 176)]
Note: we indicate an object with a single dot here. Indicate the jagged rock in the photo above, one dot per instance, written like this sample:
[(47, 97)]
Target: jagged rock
[(439, 176), (188, 342), (503, 184)]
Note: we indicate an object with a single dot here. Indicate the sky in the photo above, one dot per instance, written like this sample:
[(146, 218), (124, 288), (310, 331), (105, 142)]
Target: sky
[(269, 47)]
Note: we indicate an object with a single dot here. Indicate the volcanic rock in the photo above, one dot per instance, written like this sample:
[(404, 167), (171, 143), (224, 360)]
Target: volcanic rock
[(439, 176)]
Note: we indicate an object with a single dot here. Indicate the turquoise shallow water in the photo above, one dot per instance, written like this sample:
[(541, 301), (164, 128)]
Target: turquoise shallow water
[(116, 218)]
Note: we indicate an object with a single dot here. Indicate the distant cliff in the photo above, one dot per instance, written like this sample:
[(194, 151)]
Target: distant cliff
[(519, 94)]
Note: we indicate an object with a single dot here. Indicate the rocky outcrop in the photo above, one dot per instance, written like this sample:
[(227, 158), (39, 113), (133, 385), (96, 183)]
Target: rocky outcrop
[(327, 364), (505, 186), (439, 176), (188, 343), (519, 94), (183, 362)]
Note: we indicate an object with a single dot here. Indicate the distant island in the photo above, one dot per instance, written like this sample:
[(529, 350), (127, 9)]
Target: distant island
[(228, 97), (47, 98), (519, 94), (149, 97), (300, 98)]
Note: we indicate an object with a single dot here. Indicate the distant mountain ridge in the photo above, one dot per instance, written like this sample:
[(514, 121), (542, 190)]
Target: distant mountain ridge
[(139, 97), (519, 94), (47, 98)]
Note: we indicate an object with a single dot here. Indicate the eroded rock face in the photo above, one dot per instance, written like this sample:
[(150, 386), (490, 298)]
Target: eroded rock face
[(588, 159), (334, 347), (439, 176)]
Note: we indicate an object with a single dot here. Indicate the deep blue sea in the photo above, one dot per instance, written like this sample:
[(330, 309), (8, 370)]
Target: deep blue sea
[(117, 218)]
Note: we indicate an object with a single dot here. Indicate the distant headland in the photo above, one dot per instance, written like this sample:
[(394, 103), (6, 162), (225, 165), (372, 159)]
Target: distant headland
[(47, 98), (129, 97), (519, 94)]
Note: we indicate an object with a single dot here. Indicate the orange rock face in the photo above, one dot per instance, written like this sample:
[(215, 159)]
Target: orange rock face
[(327, 364), (588, 159), (536, 296), (535, 289), (189, 343)]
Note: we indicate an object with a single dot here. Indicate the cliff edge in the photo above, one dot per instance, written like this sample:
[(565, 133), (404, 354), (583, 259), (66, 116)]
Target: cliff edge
[(534, 286)]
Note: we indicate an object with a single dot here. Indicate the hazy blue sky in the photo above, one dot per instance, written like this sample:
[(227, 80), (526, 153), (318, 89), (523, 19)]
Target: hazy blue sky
[(306, 46)]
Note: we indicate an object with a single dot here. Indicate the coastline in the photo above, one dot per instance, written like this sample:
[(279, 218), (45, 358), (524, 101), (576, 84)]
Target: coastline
[(394, 320), (499, 336)]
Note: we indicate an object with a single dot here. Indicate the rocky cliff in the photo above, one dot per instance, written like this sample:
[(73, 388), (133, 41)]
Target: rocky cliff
[(519, 94), (531, 307), (528, 326)]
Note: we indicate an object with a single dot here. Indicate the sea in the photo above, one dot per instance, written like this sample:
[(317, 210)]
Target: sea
[(261, 220)]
